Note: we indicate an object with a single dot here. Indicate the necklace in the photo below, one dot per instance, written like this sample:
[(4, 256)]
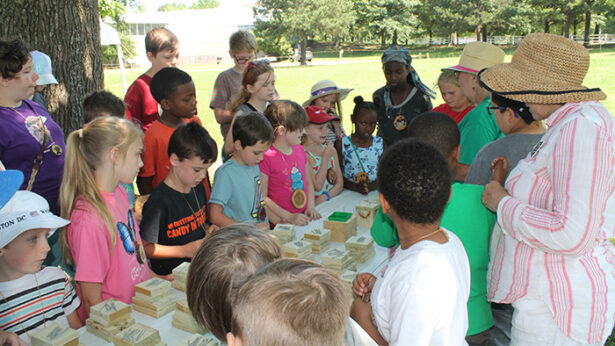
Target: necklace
[(192, 210), (38, 289), (54, 148), (361, 177), (261, 213), (425, 236), (298, 197)]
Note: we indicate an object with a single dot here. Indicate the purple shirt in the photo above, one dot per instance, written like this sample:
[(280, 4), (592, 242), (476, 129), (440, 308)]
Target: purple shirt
[(20, 141)]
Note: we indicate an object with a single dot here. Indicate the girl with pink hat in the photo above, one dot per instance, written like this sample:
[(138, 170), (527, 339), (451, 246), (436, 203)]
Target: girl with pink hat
[(326, 95)]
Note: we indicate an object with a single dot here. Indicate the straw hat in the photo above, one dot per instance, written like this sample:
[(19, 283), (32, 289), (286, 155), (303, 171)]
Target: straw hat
[(477, 56), (545, 69), (326, 87)]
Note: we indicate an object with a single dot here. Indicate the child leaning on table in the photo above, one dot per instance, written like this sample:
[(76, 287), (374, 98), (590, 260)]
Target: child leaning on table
[(290, 302), (288, 191), (102, 240), (421, 297), (237, 195), (174, 216), (26, 223)]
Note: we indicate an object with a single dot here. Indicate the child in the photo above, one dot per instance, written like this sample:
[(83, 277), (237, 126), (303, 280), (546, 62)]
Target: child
[(102, 240), (422, 296), (326, 95), (102, 103), (455, 104), (257, 90), (174, 216), (242, 46), (465, 215), (237, 195), (403, 97), (42, 67), (162, 48), (359, 153), (297, 302), (289, 194), (32, 295), (174, 90), (326, 173)]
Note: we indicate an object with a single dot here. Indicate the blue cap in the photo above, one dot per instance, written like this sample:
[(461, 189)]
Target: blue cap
[(10, 181)]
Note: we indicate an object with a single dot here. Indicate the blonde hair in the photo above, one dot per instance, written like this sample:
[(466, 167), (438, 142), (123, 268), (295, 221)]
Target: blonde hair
[(85, 149), (222, 263), (450, 77), (287, 114), (250, 76), (242, 40), (291, 302), (338, 103)]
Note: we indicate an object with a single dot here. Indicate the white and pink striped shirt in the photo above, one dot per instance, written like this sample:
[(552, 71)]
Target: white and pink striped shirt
[(552, 234)]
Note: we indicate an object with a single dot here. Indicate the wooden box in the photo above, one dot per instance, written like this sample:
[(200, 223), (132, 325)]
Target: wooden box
[(366, 212), (342, 225)]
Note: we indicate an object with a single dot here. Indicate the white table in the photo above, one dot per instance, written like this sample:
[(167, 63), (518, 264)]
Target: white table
[(345, 201)]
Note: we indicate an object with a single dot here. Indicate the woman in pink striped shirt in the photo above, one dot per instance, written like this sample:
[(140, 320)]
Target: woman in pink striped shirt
[(550, 252)]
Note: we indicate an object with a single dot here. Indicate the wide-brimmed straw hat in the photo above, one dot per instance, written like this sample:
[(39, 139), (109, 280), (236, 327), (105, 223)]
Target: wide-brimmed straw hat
[(326, 87), (477, 56), (545, 69)]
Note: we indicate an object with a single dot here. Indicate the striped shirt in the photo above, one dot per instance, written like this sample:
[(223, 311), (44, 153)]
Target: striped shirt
[(552, 233), (26, 307), (226, 86)]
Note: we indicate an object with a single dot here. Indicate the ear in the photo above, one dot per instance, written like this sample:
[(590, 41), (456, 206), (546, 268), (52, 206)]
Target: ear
[(4, 81), (230, 53), (165, 104), (384, 203), (453, 158), (232, 340), (114, 155), (250, 89), (237, 145), (174, 160), (150, 56), (510, 115)]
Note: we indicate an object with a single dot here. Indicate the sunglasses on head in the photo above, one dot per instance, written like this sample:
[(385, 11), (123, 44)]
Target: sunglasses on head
[(256, 63)]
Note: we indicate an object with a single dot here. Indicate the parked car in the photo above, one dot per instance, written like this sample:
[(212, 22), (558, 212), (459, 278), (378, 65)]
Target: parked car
[(297, 55)]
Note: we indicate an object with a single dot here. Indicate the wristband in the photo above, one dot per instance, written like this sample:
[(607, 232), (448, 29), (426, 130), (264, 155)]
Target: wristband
[(328, 195)]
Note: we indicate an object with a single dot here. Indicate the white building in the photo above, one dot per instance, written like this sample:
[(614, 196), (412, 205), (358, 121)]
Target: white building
[(203, 34)]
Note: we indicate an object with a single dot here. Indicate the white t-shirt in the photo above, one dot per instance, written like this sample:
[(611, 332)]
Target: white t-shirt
[(422, 297)]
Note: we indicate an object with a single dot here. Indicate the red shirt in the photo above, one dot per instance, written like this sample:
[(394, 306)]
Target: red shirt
[(140, 104), (457, 116)]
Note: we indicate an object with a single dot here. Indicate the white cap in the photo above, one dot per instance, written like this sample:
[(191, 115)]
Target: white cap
[(42, 67), (23, 212)]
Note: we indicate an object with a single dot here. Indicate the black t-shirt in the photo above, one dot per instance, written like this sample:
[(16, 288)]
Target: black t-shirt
[(417, 104), (173, 218)]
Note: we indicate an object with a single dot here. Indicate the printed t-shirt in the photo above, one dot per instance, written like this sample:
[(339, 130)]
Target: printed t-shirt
[(140, 104), (228, 83), (286, 173), (369, 157), (96, 261), (173, 218), (457, 116), (326, 186), (477, 128)]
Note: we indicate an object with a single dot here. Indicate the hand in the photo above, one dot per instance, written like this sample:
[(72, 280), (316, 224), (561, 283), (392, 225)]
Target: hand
[(262, 226), (327, 153), (320, 199), (499, 169), (299, 219), (211, 229), (364, 188), (192, 247), (168, 277), (312, 213), (493, 194), (363, 284), (12, 339)]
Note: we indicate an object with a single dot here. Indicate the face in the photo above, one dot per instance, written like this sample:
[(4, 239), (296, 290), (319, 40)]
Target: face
[(327, 103), (264, 87), (190, 172), (21, 86), (131, 163), (395, 74), (365, 122), (252, 155), (467, 84), (182, 103), (317, 133), (451, 94), (294, 137), (242, 58), (501, 118), (25, 254), (164, 58), (542, 111)]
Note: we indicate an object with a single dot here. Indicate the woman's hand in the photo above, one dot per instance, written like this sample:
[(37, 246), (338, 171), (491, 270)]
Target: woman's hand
[(363, 284), (493, 194), (499, 169)]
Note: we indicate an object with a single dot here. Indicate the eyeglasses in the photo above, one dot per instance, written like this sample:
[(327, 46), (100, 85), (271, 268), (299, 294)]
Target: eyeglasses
[(242, 59), (490, 109)]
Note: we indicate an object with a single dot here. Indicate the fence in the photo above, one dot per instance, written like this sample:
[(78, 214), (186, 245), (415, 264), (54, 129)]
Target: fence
[(512, 40)]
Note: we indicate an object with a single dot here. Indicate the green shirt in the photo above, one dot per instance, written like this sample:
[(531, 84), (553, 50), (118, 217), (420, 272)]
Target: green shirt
[(477, 128), (466, 216)]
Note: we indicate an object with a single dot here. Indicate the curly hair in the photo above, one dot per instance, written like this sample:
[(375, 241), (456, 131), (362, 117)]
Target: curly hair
[(437, 129), (414, 177), (166, 82), (14, 55)]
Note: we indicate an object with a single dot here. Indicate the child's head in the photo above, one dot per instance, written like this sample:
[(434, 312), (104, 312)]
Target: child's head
[(288, 120), (26, 222), (253, 136), (326, 95), (222, 263), (291, 302), (318, 127), (175, 91), (242, 46), (17, 76), (162, 48), (414, 180), (102, 142), (439, 130), (191, 151), (398, 70), (511, 115), (364, 117), (258, 83), (448, 83), (102, 103)]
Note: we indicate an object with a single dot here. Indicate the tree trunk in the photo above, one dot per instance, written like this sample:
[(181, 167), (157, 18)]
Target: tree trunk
[(69, 32), (547, 25), (303, 46), (588, 19), (484, 33), (394, 39), (597, 29), (383, 37), (574, 27), (567, 24)]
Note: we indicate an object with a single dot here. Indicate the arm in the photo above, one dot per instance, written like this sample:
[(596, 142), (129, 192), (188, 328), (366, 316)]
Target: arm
[(339, 180), (91, 294), (276, 213), (319, 179), (310, 211), (158, 251), (11, 339), (461, 172), (217, 216), (74, 321), (222, 115)]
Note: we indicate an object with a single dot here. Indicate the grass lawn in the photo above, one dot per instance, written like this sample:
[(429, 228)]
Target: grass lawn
[(363, 73)]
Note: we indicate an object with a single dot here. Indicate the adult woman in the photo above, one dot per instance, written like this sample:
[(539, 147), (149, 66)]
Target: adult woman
[(550, 253)]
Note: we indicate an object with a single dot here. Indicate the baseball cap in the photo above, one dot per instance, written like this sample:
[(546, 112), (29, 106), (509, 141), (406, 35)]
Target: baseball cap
[(42, 67), (317, 115), (25, 211), (10, 181)]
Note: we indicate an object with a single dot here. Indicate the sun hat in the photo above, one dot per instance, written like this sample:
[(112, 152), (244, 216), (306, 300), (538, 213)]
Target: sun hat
[(477, 56), (10, 181), (42, 67), (25, 211), (545, 69), (317, 115), (326, 87)]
